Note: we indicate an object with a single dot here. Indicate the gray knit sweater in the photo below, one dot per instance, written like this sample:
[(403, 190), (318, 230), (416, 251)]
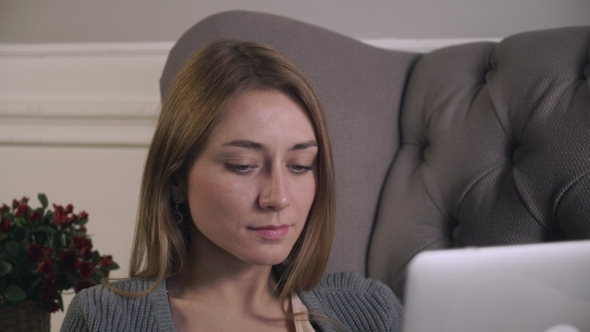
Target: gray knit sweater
[(351, 301)]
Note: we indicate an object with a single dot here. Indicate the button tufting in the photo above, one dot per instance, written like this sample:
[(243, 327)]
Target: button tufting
[(516, 154), (488, 75), (423, 146), (456, 233)]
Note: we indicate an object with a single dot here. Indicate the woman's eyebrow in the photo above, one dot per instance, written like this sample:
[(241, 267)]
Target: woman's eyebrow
[(259, 146), (242, 143), (304, 145)]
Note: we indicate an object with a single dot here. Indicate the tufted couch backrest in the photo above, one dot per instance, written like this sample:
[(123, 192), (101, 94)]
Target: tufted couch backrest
[(495, 150), (472, 145), (361, 89)]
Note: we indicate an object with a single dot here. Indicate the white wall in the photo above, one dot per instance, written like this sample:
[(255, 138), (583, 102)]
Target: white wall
[(32, 21), (75, 123), (102, 181)]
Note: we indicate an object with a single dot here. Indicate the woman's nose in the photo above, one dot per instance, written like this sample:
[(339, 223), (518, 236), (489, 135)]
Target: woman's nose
[(274, 194)]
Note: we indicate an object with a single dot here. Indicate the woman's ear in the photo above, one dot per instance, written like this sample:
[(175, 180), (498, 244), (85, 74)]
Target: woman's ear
[(177, 190)]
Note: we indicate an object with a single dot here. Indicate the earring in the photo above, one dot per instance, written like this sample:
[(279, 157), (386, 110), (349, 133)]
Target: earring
[(177, 214)]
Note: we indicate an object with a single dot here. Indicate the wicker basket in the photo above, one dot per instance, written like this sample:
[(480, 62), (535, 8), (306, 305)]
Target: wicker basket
[(27, 316)]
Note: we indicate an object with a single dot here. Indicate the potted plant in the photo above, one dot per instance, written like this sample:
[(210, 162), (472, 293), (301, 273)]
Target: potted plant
[(43, 252)]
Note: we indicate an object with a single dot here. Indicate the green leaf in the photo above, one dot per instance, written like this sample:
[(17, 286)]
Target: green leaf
[(113, 266), (95, 257), (19, 271), (98, 275), (72, 278), (43, 199), (82, 221), (35, 283), (14, 293), (60, 301), (50, 240), (46, 228), (19, 221), (77, 232), (13, 248), (5, 268)]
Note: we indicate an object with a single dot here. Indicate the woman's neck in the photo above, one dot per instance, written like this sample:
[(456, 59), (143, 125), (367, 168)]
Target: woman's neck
[(217, 291), (213, 275)]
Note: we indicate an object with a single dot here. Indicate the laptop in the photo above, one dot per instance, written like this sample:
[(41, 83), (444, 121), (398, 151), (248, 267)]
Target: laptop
[(525, 288)]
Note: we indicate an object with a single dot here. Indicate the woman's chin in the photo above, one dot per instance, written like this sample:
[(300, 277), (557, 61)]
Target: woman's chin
[(267, 259)]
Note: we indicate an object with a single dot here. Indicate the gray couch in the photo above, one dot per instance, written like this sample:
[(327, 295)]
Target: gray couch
[(473, 145)]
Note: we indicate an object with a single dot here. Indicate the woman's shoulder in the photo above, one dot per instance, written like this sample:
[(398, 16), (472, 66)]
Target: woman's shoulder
[(355, 302), (126, 285), (102, 297), (101, 308), (351, 282)]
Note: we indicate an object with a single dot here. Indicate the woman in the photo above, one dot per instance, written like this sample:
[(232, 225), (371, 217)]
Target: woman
[(236, 214)]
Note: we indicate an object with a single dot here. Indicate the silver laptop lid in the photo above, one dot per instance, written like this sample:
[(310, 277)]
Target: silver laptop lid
[(534, 287)]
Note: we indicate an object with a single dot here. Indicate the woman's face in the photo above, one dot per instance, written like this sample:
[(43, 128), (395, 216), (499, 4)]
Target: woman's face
[(252, 184)]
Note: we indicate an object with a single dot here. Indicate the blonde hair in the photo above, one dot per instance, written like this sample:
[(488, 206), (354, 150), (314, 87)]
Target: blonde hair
[(194, 102)]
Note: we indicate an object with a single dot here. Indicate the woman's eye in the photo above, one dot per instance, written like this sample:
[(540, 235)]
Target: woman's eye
[(240, 168), (300, 169)]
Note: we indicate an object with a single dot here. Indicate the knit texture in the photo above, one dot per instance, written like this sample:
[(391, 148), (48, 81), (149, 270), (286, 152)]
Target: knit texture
[(100, 309), (350, 301), (354, 303)]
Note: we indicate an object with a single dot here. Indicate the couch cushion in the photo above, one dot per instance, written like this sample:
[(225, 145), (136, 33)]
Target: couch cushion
[(360, 87), (495, 150)]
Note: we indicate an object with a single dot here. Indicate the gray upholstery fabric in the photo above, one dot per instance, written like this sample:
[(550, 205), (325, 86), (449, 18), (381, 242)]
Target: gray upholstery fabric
[(361, 89), (495, 150), (495, 142)]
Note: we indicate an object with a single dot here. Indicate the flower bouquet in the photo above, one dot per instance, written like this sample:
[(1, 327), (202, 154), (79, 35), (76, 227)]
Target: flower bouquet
[(45, 252)]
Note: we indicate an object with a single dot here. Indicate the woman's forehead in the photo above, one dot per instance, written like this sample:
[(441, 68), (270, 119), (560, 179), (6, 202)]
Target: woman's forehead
[(264, 116)]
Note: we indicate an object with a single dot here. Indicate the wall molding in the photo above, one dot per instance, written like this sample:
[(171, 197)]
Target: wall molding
[(77, 122), (101, 94), (80, 94), (85, 49), (423, 45), (162, 48)]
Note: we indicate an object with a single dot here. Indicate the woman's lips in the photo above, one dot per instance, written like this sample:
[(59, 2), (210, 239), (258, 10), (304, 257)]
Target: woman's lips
[(271, 232)]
